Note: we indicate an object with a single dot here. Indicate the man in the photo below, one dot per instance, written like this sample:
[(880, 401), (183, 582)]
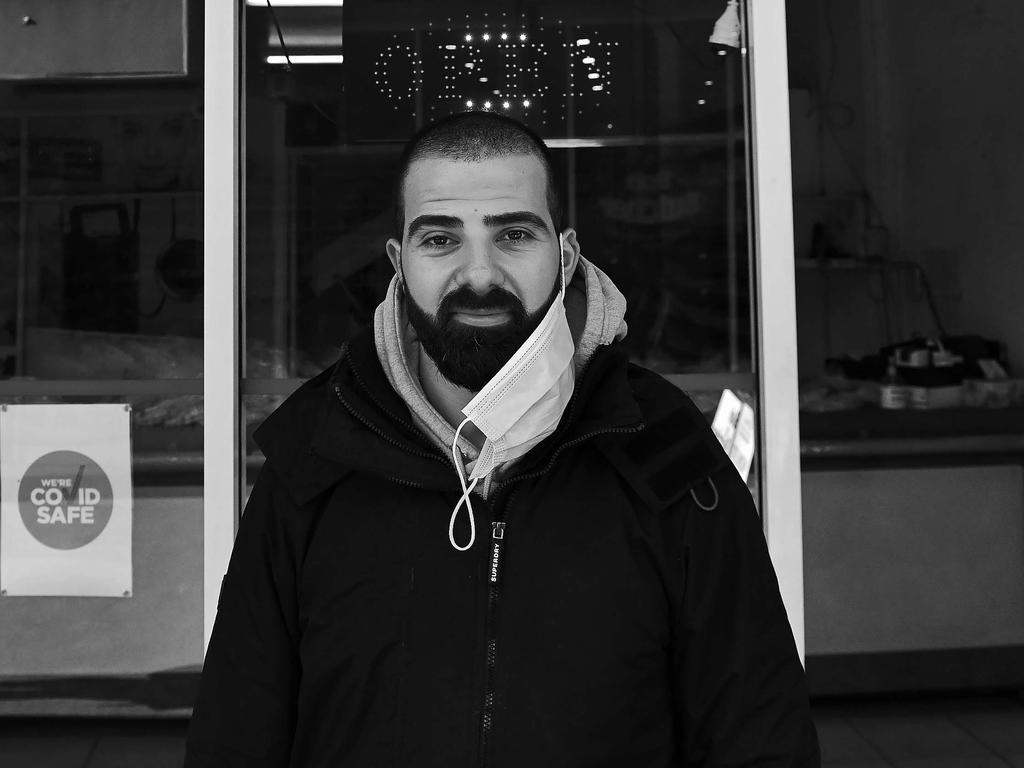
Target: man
[(483, 537)]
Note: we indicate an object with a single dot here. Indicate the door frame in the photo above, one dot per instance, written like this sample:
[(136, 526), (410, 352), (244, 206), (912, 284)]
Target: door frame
[(765, 27), (222, 233)]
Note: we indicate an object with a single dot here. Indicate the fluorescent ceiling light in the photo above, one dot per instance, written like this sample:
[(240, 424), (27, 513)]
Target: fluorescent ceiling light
[(312, 38), (306, 58), (573, 143), (298, 3)]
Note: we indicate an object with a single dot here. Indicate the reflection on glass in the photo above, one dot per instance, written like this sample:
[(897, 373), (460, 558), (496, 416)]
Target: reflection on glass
[(655, 217), (129, 151), (8, 288), (708, 402), (102, 238), (10, 157), (645, 122)]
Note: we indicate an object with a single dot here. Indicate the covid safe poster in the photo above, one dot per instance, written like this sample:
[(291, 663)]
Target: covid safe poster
[(65, 500)]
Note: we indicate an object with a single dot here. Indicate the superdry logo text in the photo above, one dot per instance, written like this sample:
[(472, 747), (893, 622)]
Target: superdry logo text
[(495, 556)]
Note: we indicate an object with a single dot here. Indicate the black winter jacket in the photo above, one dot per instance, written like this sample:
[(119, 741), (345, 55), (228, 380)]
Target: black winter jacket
[(603, 617)]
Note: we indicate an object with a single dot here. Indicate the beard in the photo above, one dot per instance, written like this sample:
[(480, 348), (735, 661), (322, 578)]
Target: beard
[(467, 355)]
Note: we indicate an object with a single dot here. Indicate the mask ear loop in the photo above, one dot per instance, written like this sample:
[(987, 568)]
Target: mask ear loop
[(464, 499), (561, 263)]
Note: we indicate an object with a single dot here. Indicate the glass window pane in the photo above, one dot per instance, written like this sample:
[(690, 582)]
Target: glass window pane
[(101, 226), (645, 119), (907, 179)]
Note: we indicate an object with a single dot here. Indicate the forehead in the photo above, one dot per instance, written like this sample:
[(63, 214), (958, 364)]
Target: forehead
[(440, 184)]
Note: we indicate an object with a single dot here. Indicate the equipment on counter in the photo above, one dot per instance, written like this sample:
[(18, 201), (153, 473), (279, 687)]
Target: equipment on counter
[(923, 373)]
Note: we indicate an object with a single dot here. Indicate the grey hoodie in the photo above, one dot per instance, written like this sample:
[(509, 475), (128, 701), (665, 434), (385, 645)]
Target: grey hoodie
[(595, 309)]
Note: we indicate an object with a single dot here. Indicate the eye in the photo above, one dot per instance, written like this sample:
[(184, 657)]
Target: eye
[(438, 241), (517, 236)]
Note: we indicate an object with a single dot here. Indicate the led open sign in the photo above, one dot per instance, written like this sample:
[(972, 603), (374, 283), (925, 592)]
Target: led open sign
[(560, 79)]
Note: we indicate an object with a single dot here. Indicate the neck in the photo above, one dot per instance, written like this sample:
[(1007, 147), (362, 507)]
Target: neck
[(448, 398)]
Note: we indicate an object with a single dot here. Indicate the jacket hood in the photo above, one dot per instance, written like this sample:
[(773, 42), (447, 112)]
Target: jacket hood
[(595, 309)]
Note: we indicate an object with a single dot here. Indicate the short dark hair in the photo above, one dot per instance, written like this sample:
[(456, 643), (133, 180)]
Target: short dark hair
[(471, 137)]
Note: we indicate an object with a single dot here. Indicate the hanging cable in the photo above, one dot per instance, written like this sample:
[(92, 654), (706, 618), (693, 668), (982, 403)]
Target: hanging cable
[(280, 37), (288, 64)]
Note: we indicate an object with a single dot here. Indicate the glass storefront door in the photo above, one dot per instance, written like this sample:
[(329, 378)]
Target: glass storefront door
[(652, 133), (645, 120)]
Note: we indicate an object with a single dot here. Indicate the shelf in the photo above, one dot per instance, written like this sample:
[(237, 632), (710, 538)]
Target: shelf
[(693, 382), (99, 387), (575, 142), (64, 197), (270, 386), (851, 264), (867, 448), (182, 462), (711, 382)]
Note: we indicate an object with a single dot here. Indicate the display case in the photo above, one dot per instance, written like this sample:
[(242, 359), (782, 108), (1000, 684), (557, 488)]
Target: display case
[(911, 350)]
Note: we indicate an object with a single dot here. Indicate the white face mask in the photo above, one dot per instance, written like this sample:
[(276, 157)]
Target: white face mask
[(522, 404)]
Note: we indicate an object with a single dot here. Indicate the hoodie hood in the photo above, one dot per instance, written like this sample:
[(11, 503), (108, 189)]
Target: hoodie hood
[(595, 309)]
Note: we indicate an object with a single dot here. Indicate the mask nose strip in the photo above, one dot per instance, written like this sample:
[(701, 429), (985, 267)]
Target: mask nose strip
[(464, 499)]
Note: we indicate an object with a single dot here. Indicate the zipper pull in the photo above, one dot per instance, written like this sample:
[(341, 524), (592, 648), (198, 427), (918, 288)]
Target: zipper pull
[(497, 539)]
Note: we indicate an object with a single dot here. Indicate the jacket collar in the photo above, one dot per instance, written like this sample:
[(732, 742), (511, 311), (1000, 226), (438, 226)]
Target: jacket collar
[(361, 423), (349, 418)]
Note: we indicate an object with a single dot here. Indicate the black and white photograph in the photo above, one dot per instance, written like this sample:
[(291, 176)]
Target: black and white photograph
[(511, 384)]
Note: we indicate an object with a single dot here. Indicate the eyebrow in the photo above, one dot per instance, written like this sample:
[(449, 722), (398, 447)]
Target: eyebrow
[(491, 220), (433, 220), (515, 217)]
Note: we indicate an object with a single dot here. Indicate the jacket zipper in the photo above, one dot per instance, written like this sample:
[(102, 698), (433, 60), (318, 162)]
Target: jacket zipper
[(497, 552), (490, 630)]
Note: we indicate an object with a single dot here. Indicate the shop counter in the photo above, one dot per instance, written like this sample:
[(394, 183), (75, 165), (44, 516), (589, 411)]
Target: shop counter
[(913, 549)]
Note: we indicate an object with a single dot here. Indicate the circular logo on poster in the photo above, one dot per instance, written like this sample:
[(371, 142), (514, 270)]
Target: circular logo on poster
[(65, 499)]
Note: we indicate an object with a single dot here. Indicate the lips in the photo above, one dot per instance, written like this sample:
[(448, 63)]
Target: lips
[(482, 316), (465, 310)]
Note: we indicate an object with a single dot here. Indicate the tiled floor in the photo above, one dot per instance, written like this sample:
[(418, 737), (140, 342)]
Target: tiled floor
[(973, 732), (85, 743)]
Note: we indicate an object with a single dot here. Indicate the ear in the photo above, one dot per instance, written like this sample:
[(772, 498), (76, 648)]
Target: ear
[(394, 249), (570, 253)]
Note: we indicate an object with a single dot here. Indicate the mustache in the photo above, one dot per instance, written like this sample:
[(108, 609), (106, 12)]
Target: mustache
[(465, 298)]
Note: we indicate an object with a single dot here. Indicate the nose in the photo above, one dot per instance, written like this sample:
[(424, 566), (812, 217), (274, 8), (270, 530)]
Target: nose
[(479, 270)]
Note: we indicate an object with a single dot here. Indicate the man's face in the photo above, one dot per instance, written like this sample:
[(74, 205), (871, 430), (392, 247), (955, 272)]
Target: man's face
[(479, 260)]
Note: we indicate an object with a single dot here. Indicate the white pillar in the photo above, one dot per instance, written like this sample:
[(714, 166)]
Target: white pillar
[(776, 300), (221, 226)]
